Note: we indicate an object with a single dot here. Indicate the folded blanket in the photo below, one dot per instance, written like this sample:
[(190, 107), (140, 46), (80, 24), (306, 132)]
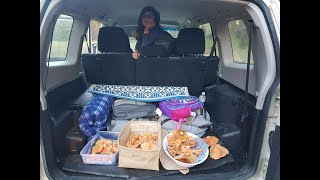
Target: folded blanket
[(95, 114), (126, 109), (140, 93)]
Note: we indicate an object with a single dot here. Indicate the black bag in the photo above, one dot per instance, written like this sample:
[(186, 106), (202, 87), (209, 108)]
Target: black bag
[(231, 117)]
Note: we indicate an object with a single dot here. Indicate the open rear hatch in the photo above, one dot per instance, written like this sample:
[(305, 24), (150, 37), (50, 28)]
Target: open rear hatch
[(236, 121)]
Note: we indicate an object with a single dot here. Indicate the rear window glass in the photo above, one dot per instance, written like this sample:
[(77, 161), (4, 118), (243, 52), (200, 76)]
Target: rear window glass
[(172, 31), (239, 41), (60, 38)]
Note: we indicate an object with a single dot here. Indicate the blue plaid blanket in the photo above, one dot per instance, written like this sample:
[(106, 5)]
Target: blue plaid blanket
[(95, 114)]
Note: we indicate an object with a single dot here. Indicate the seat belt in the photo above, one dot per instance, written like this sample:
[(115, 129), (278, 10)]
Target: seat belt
[(82, 69), (245, 107), (213, 48), (85, 38), (245, 113), (248, 61)]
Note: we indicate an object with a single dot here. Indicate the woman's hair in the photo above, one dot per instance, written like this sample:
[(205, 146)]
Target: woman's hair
[(140, 27)]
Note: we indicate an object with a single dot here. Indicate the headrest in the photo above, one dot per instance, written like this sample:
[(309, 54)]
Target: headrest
[(190, 41), (153, 51), (113, 39)]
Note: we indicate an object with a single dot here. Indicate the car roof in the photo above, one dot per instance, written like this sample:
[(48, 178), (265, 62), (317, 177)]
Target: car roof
[(177, 13)]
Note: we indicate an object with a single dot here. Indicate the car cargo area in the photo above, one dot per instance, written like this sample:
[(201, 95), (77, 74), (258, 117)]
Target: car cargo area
[(213, 82), (224, 103)]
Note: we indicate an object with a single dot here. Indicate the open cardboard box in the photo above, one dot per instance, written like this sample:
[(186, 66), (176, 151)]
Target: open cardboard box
[(138, 158)]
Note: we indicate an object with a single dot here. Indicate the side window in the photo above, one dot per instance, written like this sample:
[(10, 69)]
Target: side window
[(60, 38), (132, 41), (239, 41), (94, 30), (208, 38), (95, 27)]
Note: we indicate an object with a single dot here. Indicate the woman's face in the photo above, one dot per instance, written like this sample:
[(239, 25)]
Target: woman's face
[(148, 19)]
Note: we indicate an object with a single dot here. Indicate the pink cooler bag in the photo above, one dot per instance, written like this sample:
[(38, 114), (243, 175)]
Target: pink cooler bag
[(180, 109)]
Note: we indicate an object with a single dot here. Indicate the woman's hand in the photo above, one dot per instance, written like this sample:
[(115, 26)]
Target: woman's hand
[(135, 54)]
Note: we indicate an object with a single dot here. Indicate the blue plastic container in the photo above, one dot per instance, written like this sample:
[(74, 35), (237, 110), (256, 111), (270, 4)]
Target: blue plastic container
[(101, 159)]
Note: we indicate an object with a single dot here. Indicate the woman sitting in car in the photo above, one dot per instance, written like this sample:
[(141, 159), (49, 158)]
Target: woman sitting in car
[(149, 32)]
